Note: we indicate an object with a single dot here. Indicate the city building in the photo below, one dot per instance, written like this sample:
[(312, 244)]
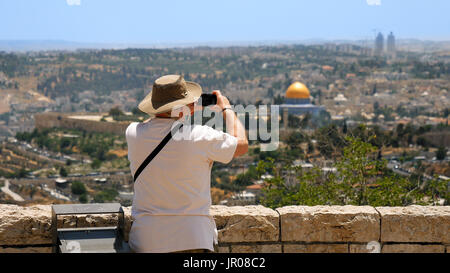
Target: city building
[(298, 101), (340, 98), (391, 44), (379, 44)]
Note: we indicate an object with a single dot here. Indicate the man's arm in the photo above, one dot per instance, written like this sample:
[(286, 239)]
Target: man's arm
[(234, 125)]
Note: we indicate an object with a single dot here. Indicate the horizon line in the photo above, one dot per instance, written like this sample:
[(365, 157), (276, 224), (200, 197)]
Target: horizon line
[(70, 45)]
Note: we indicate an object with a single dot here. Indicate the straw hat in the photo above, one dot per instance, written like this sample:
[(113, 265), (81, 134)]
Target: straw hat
[(169, 92)]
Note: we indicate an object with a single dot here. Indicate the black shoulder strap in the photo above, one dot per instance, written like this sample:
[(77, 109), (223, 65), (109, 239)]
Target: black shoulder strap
[(156, 151)]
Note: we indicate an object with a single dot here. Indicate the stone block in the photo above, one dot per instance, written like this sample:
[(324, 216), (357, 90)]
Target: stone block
[(315, 248), (329, 224), (269, 248), (25, 225), (223, 249), (26, 250), (412, 248), (371, 247), (415, 224), (246, 223)]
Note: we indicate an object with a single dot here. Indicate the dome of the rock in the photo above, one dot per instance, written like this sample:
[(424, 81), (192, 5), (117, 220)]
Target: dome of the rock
[(297, 90)]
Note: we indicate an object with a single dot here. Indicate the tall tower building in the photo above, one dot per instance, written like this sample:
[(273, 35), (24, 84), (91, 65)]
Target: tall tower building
[(379, 44), (391, 43)]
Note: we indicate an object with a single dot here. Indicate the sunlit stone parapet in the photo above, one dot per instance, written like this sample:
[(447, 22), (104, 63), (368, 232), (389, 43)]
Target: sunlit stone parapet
[(246, 223), (329, 224), (415, 224), (25, 225), (257, 229), (31, 225), (128, 222)]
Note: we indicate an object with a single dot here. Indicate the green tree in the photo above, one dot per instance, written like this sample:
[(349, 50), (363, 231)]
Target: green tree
[(115, 111), (137, 112), (329, 140), (106, 195), (360, 179), (83, 198), (78, 188), (441, 153), (294, 121), (96, 163), (295, 139), (247, 178), (20, 173), (356, 168), (310, 147), (277, 100), (437, 189), (63, 172)]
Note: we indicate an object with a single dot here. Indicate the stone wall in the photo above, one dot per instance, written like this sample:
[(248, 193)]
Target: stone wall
[(61, 120), (256, 229)]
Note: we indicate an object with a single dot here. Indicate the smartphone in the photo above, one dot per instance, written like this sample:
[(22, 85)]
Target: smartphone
[(208, 99)]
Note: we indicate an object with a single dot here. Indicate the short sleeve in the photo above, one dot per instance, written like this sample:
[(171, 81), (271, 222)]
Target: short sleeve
[(218, 146), (131, 130)]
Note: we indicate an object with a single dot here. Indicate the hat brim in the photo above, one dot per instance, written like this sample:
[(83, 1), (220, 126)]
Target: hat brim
[(194, 91)]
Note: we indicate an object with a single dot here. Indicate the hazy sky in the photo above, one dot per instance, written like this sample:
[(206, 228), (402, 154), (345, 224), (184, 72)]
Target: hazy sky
[(152, 21)]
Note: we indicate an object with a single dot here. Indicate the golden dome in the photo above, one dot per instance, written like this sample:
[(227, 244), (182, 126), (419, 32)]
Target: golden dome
[(297, 90)]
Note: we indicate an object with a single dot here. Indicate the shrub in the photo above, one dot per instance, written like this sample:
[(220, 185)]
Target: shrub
[(361, 179), (63, 172), (78, 188), (105, 195), (83, 198)]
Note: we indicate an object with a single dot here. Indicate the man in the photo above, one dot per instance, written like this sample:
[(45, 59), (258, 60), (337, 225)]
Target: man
[(172, 196)]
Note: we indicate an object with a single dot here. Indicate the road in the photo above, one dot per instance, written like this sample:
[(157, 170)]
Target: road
[(403, 172), (55, 194), (14, 195), (397, 169)]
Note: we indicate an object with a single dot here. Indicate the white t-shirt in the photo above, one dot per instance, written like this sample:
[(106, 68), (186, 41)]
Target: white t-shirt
[(172, 195)]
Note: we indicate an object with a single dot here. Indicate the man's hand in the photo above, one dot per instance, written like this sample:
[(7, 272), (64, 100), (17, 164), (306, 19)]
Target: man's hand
[(222, 101), (234, 125)]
